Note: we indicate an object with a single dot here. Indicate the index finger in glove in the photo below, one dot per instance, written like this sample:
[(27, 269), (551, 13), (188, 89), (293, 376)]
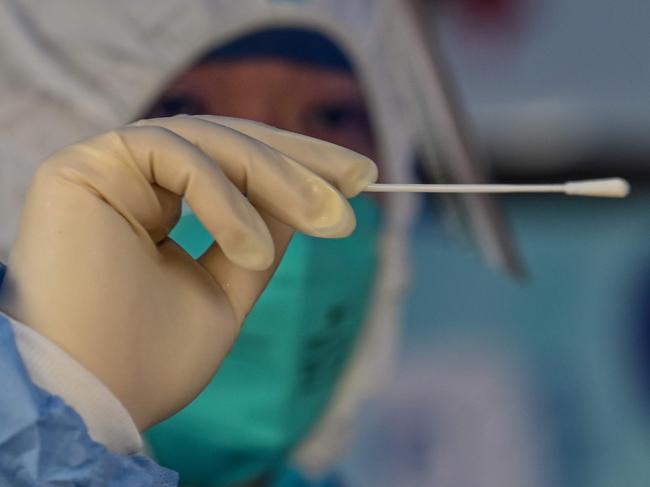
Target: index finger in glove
[(349, 171), (296, 191)]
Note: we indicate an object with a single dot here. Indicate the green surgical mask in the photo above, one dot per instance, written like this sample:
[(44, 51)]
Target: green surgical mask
[(281, 373)]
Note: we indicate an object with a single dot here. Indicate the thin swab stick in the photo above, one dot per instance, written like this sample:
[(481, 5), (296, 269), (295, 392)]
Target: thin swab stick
[(604, 188)]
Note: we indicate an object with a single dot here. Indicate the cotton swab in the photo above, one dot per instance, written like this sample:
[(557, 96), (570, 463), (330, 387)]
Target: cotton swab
[(603, 188)]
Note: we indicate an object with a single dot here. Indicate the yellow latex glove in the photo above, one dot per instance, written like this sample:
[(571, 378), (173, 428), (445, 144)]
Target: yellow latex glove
[(93, 268)]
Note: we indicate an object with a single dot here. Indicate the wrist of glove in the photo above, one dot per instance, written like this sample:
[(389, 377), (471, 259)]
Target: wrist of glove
[(93, 268)]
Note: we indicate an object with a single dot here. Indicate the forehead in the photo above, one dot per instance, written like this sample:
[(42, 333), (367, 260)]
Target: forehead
[(268, 75)]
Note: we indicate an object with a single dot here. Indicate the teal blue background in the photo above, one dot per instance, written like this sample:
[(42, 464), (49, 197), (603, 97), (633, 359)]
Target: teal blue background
[(570, 330)]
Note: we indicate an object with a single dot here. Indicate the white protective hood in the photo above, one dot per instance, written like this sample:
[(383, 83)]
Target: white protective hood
[(73, 68)]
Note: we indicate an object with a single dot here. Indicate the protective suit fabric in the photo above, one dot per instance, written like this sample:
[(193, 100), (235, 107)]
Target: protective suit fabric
[(280, 375), (52, 369), (43, 441)]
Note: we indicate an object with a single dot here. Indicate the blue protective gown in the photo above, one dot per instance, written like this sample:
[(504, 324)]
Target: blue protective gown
[(43, 441)]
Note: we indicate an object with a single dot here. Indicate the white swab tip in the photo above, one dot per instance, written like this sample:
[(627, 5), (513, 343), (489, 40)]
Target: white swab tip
[(605, 188)]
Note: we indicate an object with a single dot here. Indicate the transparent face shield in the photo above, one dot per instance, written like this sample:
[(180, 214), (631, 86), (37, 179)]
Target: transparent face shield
[(447, 151)]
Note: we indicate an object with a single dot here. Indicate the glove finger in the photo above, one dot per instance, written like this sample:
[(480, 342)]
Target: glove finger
[(272, 181), (243, 286), (174, 164), (347, 170)]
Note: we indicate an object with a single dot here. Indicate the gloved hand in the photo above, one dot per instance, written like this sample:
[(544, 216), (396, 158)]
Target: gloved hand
[(93, 268)]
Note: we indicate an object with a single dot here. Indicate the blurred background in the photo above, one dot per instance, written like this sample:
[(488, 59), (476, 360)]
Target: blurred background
[(533, 370), (553, 91)]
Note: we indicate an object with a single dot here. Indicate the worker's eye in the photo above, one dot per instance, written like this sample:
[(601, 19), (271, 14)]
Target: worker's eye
[(342, 123), (338, 116), (172, 105)]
